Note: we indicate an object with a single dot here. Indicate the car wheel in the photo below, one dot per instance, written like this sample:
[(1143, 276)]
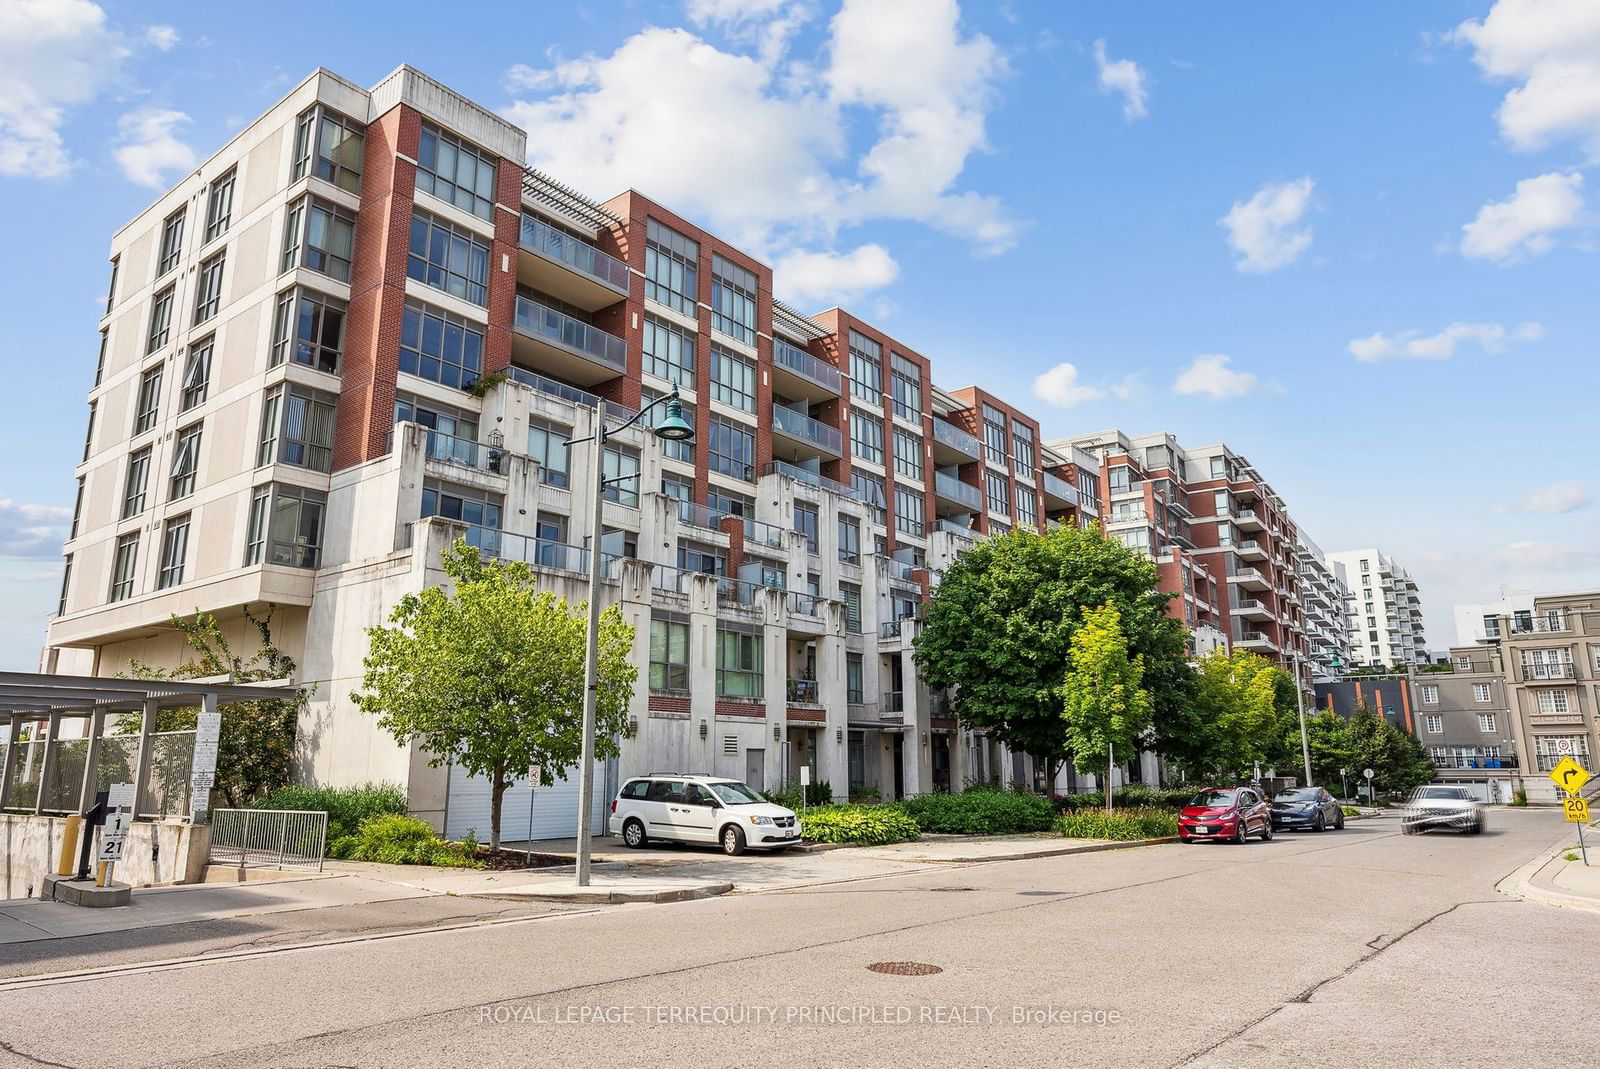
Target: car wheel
[(1338, 821), (1320, 824), (1240, 834), (732, 840), (1266, 832), (633, 835)]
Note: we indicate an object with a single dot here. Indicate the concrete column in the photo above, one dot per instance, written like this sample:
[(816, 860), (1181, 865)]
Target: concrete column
[(960, 762), (97, 724), (702, 674), (833, 755), (141, 766), (774, 681), (917, 773), (636, 611)]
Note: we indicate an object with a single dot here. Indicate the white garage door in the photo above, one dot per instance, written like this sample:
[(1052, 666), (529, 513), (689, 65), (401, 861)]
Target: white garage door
[(555, 808)]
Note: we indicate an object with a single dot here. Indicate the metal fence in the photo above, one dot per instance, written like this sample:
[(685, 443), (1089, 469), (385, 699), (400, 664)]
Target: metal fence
[(284, 838)]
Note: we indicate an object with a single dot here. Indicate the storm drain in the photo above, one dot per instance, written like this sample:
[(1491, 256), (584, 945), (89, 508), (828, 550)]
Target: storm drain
[(1044, 894), (950, 889), (905, 968)]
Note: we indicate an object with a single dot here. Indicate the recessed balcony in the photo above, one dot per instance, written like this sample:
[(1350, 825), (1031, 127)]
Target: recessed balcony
[(568, 348), (1251, 609), (1058, 493), (1250, 579), (952, 445), (1247, 520), (796, 373), (796, 436), (1251, 550), (952, 491), (553, 261)]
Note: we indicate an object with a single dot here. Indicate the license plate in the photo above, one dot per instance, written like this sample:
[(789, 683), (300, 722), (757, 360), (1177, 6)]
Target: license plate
[(1202, 830)]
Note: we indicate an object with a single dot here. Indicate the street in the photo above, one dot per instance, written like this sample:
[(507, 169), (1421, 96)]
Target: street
[(1359, 947)]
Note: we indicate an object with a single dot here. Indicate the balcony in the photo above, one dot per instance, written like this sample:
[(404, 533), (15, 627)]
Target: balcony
[(796, 373), (1536, 670), (1247, 520), (1471, 761), (1539, 625), (1250, 579), (806, 437), (571, 394), (570, 268), (803, 692), (1251, 609), (1058, 493), (807, 606), (1257, 641), (571, 348), (952, 445), (894, 701), (1251, 550), (950, 489), (959, 530), (833, 486)]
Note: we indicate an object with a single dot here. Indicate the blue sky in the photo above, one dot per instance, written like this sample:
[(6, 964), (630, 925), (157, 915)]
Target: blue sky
[(1353, 241)]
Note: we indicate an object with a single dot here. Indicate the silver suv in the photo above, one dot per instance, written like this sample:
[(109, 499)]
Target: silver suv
[(1438, 806)]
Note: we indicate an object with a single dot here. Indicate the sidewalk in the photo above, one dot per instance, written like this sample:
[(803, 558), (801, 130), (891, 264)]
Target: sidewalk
[(1553, 880)]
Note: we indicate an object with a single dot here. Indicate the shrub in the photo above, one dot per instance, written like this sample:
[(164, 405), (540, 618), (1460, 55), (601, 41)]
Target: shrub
[(866, 795), (982, 811), (1519, 798), (1132, 795), (819, 793), (399, 840), (1122, 825), (873, 825), (346, 807), (1350, 811)]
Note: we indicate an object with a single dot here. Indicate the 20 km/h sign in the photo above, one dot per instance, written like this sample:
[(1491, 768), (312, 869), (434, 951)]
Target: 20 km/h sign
[(1577, 810), (1569, 775)]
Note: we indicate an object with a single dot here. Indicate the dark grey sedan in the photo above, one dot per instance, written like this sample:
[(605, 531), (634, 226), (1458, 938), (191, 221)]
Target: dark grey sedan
[(1308, 808)]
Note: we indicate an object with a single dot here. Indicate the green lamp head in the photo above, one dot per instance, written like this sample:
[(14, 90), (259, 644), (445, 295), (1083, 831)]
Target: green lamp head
[(674, 428)]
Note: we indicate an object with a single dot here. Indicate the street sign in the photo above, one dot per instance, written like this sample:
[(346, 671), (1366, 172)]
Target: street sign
[(208, 727), (1367, 772), (120, 796), (1577, 810), (203, 781), (805, 775), (1569, 775), (112, 835)]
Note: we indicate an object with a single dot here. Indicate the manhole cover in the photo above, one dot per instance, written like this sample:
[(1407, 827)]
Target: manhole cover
[(1042, 894), (905, 968)]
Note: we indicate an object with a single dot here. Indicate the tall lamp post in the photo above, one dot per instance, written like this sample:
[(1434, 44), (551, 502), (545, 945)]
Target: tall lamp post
[(674, 428), (1300, 704)]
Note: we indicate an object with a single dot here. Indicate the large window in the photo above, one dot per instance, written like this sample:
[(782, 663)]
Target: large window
[(171, 242), (999, 492), (866, 369), (866, 437), (297, 428), (669, 655), (850, 594), (286, 526), (732, 449), (906, 380), (185, 463), (160, 320), (994, 434), (208, 289), (1550, 749), (739, 665), (449, 258), (322, 237), (622, 476), (196, 375), (733, 379), (668, 352), (148, 404), (309, 329), (849, 539), (111, 287), (1554, 701), (124, 567), (174, 552), (456, 172), (854, 679), (1027, 507), (909, 517), (328, 146), (671, 268), (547, 445), (725, 503), (472, 509), (1022, 450), (805, 521), (674, 448), (219, 206), (66, 586), (733, 300), (441, 346), (907, 454), (136, 485), (869, 488)]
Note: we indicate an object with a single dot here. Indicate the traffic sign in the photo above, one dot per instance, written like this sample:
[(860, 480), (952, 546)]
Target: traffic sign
[(1569, 775), (120, 796), (203, 781), (112, 835), (1367, 772), (1577, 810)]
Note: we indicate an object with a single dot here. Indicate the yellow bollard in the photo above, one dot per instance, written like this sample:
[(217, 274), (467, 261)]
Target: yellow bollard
[(69, 847), (100, 874)]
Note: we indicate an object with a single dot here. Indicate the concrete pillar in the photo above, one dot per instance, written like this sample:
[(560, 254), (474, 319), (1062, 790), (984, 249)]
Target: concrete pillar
[(833, 752), (636, 611), (702, 674), (8, 764), (917, 773), (774, 681)]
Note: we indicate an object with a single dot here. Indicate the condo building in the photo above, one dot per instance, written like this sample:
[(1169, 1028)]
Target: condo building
[(363, 329), (1324, 597), (1385, 610)]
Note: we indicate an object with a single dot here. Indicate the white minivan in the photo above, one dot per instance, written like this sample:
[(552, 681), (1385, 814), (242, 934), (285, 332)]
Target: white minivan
[(690, 807)]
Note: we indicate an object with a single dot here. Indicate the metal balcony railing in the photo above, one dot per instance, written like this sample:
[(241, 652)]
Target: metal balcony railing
[(779, 467), (1469, 761), (801, 427), (805, 365), (449, 449), (575, 253), (959, 530), (808, 605), (949, 434), (1058, 487), (894, 701), (537, 321), (803, 692), (1543, 670), (571, 394), (1540, 625)]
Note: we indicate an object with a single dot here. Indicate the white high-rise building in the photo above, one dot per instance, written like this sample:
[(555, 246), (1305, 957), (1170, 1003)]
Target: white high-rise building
[(1385, 609)]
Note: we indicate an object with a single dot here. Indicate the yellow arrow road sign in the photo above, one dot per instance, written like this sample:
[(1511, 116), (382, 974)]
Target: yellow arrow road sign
[(1569, 775)]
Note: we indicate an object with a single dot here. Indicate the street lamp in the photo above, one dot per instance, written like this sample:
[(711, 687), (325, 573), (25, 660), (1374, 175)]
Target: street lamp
[(674, 428), (1300, 704)]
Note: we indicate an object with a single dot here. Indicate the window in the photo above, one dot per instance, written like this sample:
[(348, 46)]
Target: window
[(854, 684), (1435, 724), (88, 434), (907, 454), (1480, 692), (999, 492), (474, 509), (185, 463), (1553, 701), (850, 540), (77, 511), (174, 551), (1465, 665), (1550, 749), (733, 300), (866, 437), (732, 449), (309, 329), (111, 287), (669, 655), (66, 586), (674, 449), (805, 521), (1027, 507), (1120, 479), (621, 465), (680, 490), (124, 562), (456, 172), (136, 484), (671, 268), (439, 345), (286, 526), (850, 594), (869, 488), (196, 375), (1486, 722), (905, 379), (547, 445), (100, 362), (994, 434), (739, 664), (208, 289), (909, 515), (733, 380), (724, 503), (149, 401), (1219, 467), (219, 206), (321, 236), (171, 242), (704, 559), (160, 320), (297, 428), (328, 146), (668, 352), (1022, 450), (866, 369), (1364, 566), (1430, 695)]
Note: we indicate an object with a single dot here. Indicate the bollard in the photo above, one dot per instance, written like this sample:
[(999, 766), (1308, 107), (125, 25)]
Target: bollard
[(69, 845)]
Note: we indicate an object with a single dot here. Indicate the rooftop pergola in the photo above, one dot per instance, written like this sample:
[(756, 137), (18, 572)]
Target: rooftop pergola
[(29, 697)]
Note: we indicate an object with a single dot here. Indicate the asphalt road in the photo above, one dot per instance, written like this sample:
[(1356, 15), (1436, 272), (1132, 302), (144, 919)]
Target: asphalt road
[(1359, 947)]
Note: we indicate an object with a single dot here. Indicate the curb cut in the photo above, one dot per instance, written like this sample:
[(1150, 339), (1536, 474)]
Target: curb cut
[(610, 898)]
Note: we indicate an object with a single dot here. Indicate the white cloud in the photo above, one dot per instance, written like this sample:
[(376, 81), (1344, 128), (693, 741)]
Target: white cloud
[(1210, 376), (54, 55), (163, 37), (1125, 77), (833, 278), (1532, 556), (1060, 387), (1266, 231), (1411, 344), (1556, 498), (769, 24), (28, 531), (1552, 47), (148, 146), (1523, 224)]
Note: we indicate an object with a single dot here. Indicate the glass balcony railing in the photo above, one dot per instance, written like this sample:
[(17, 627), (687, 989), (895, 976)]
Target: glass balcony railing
[(571, 394), (575, 253), (536, 321), (801, 427), (953, 489), (779, 467), (949, 434), (1058, 487), (795, 359)]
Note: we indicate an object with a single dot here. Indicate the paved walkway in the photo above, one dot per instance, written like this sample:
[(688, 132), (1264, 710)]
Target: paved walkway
[(1561, 878)]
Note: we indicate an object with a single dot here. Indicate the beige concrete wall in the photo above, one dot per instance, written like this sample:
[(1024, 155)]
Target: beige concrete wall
[(167, 852)]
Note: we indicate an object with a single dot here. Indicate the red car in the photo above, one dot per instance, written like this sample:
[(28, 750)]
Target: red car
[(1231, 813)]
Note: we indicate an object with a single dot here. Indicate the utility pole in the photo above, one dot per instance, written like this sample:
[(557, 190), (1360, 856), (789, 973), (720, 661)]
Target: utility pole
[(1300, 703)]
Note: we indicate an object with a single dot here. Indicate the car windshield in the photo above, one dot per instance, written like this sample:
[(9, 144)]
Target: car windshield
[(1454, 794), (1296, 794), (736, 793), (1212, 798)]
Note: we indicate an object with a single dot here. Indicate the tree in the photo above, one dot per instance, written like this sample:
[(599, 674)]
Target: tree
[(1000, 626), (256, 745), (1330, 749), (490, 676), (1104, 703), (1397, 760), (1236, 696)]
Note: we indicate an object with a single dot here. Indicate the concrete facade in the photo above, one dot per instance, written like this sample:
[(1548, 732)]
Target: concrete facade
[(1385, 609)]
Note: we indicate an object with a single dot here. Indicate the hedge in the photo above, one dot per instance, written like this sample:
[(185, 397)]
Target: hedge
[(980, 812), (860, 825), (820, 792), (397, 840), (1122, 825), (1131, 795), (347, 807)]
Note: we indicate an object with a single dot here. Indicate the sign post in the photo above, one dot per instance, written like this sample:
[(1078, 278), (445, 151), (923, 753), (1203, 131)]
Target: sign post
[(533, 789), (203, 770), (1367, 772), (1569, 777), (805, 781)]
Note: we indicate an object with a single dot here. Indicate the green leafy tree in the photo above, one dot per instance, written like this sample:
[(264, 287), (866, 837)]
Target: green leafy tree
[(1397, 759), (1330, 748), (490, 675), (1000, 626), (1104, 704), (1236, 696)]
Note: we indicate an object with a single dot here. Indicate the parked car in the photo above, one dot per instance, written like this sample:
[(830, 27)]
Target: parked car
[(1233, 813), (1311, 808), (1435, 805), (696, 808)]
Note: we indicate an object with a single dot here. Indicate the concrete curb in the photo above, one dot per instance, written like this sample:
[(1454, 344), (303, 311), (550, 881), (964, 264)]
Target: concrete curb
[(606, 898), (1526, 883)]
